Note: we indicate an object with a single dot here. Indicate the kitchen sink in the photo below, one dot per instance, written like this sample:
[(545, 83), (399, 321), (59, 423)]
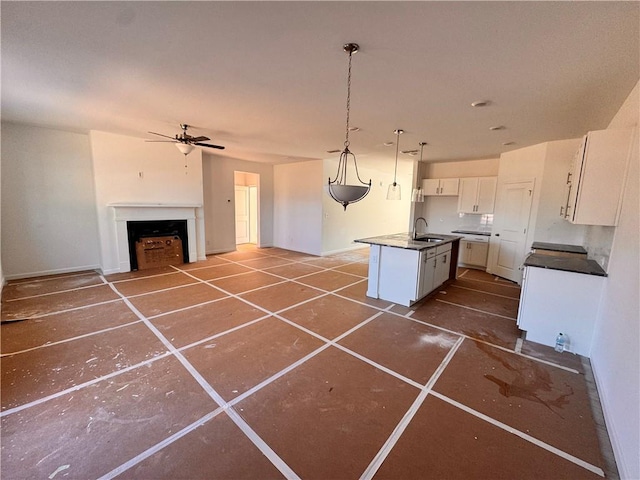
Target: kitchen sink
[(428, 239)]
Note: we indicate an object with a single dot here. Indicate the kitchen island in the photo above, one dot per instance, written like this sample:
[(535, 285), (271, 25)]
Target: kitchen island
[(404, 269)]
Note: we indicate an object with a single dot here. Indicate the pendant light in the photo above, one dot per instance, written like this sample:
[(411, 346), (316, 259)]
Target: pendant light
[(339, 190), (418, 195), (393, 193)]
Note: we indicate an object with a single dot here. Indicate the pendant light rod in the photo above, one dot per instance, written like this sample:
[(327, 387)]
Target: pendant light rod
[(338, 188), (398, 132)]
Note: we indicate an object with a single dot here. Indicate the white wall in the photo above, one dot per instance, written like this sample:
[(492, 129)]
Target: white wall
[(441, 213), (615, 354), (219, 201), (298, 206), (374, 215), (48, 203), (130, 170)]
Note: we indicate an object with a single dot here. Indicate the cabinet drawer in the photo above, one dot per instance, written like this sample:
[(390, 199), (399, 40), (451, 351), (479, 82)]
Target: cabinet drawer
[(442, 248), (430, 253)]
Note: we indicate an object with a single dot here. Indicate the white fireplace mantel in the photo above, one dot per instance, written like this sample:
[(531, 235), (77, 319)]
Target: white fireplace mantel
[(124, 212)]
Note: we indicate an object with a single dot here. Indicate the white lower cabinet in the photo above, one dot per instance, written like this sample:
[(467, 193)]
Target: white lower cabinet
[(427, 272), (556, 301), (404, 276), (473, 253), (443, 265)]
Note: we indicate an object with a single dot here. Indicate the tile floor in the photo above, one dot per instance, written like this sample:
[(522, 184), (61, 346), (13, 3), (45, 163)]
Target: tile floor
[(274, 364)]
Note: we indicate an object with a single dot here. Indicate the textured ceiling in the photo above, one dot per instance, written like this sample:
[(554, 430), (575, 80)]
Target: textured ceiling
[(268, 79)]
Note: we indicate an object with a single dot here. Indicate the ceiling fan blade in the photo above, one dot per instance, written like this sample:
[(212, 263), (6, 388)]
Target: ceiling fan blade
[(161, 135), (161, 141), (198, 139), (210, 146)]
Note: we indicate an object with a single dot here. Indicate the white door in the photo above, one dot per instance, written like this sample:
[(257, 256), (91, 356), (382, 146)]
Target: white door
[(242, 214), (510, 230)]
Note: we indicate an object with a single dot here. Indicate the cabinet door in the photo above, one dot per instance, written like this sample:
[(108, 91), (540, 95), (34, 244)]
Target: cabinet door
[(430, 186), (443, 262), (467, 195), (477, 254), (486, 194), (598, 187), (573, 178), (427, 272), (449, 186)]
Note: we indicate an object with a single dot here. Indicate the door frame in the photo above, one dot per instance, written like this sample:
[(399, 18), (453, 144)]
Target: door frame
[(253, 182)]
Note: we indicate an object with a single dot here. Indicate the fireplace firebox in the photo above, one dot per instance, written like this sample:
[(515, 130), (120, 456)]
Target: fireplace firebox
[(157, 243)]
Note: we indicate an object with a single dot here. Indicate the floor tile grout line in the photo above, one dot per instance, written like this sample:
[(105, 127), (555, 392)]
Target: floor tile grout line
[(485, 292), (238, 296), (322, 269), (142, 277), (160, 445), (80, 386), (475, 309), (70, 339), (47, 294), (277, 375), (409, 316), (493, 282), (381, 310), (123, 370), (525, 436), (397, 432), (56, 312), (222, 334), (214, 395), (161, 290), (189, 307), (463, 273)]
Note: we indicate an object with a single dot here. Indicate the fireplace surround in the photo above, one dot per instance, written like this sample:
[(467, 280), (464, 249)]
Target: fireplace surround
[(123, 213)]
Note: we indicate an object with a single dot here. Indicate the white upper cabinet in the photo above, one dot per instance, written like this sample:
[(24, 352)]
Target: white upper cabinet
[(440, 186), (596, 178), (477, 194)]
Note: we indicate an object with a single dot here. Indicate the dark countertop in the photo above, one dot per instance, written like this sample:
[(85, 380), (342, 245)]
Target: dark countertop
[(404, 240), (558, 247), (472, 232), (567, 264)]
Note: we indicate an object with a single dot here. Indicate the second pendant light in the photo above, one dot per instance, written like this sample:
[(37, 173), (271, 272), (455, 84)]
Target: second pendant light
[(393, 193)]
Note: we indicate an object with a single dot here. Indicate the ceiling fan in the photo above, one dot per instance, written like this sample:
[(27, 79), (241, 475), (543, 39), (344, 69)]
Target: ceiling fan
[(185, 142)]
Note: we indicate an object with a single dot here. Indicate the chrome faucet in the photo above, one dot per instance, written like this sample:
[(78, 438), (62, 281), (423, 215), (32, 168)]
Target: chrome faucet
[(415, 226)]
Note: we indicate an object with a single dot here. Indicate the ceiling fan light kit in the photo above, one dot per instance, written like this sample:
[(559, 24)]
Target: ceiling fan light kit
[(339, 190), (185, 142)]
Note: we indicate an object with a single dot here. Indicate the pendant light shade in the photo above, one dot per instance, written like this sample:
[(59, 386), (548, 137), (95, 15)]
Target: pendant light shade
[(339, 189), (393, 192), (418, 195)]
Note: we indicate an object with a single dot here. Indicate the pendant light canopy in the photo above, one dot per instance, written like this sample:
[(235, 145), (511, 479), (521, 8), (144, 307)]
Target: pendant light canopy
[(393, 193), (339, 190), (418, 195)]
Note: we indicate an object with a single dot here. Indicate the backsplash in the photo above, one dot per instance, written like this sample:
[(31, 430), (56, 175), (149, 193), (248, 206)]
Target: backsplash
[(598, 241), (475, 222)]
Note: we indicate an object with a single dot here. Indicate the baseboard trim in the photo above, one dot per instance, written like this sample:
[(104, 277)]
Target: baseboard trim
[(59, 271), (358, 246)]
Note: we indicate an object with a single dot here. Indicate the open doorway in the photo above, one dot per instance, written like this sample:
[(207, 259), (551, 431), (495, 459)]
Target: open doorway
[(246, 207)]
